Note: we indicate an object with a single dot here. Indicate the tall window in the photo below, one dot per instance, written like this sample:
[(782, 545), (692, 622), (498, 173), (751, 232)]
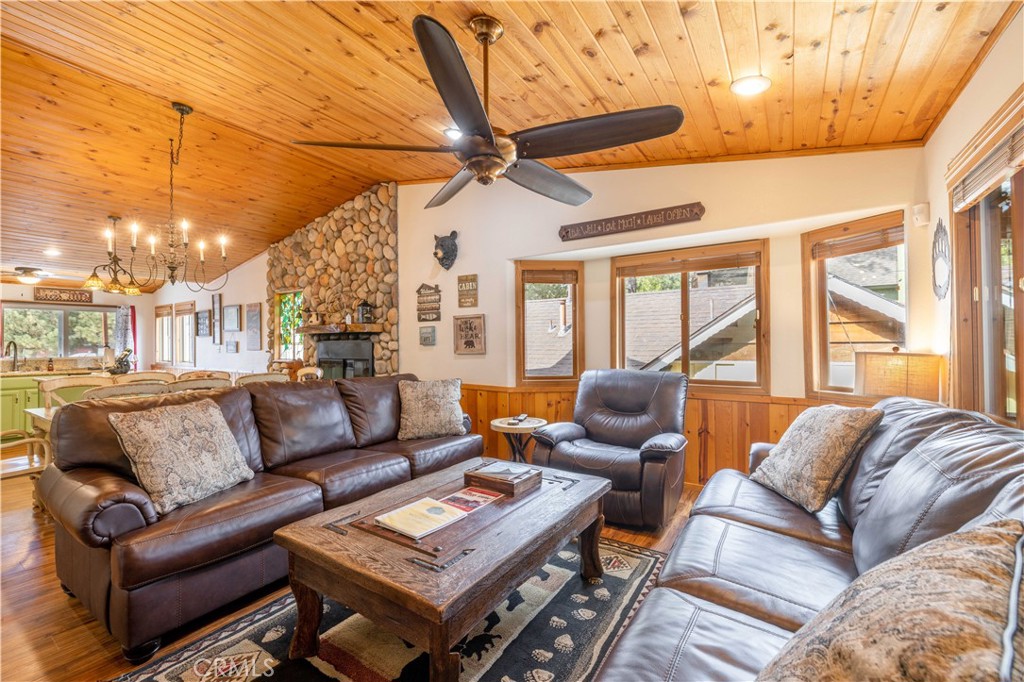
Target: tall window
[(185, 333), (289, 319), (49, 331), (164, 333), (700, 311), (549, 321), (855, 281)]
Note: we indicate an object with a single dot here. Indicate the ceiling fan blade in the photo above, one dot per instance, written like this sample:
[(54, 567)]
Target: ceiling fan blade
[(535, 176), (378, 147), (597, 132), (451, 77), (451, 188)]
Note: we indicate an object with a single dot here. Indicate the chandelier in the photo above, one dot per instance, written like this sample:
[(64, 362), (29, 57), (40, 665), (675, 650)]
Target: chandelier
[(173, 263)]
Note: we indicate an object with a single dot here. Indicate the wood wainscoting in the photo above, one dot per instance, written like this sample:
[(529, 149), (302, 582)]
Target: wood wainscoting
[(719, 428)]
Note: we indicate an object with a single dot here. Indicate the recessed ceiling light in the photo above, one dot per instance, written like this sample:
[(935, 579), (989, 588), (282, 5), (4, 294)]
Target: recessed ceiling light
[(750, 85), (52, 253), (452, 133)]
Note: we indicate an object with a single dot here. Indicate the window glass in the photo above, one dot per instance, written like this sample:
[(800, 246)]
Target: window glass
[(186, 335), (50, 331), (997, 313), (548, 333), (289, 319), (723, 325), (652, 330), (165, 339), (88, 331)]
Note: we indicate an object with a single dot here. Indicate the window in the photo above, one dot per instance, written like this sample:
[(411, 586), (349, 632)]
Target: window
[(855, 284), (185, 333), (49, 331), (164, 333), (700, 311), (289, 319), (549, 321)]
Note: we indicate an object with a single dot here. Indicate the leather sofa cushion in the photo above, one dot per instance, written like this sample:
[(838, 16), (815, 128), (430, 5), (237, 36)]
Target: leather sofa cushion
[(374, 406), (82, 436), (349, 475), (771, 577), (905, 423), (300, 419), (428, 455), (729, 494), (222, 525), (948, 479), (626, 407), (621, 465), (675, 637)]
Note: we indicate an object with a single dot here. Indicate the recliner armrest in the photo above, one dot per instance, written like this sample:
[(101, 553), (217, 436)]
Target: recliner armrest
[(553, 434), (758, 453), (95, 505), (662, 446)]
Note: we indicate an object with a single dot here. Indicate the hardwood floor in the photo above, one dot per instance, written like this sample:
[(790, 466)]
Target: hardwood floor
[(47, 635)]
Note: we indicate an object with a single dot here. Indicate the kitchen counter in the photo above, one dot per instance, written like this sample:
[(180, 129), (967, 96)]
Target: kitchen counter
[(43, 374)]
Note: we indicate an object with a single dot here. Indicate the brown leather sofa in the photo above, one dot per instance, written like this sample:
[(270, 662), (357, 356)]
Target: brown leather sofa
[(627, 427), (312, 446), (750, 567)]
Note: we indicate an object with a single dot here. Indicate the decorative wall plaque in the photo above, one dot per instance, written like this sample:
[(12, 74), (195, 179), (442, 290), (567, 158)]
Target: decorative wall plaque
[(470, 335), (203, 321), (467, 291), (215, 321), (428, 303), (55, 295), (684, 213), (254, 326), (233, 318), (941, 263), (428, 336)]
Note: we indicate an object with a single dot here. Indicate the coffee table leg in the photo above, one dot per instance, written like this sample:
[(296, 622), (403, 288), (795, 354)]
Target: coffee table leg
[(590, 555), (309, 605), (445, 666)]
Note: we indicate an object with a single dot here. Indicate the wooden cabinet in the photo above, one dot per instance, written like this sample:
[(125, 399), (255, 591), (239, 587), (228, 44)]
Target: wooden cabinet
[(17, 394)]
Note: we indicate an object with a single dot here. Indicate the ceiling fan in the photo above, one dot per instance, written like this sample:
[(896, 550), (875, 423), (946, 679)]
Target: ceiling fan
[(27, 275), (486, 152)]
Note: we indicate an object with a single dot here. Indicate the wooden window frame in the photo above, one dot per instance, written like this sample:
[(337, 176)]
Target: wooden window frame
[(277, 325), (712, 257), (160, 312), (181, 310), (815, 307), (579, 353)]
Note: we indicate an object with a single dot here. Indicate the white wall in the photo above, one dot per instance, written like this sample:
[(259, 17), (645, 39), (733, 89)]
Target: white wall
[(995, 81), (246, 284), (777, 198), (143, 314)]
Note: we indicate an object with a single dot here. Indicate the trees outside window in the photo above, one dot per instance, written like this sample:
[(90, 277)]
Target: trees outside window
[(289, 319), (49, 331)]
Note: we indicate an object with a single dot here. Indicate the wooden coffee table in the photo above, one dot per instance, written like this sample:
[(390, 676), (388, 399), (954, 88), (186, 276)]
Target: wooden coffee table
[(433, 592)]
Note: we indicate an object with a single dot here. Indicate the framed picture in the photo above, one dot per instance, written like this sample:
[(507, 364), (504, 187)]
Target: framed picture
[(470, 335), (428, 336), (231, 346), (203, 321), (215, 321), (254, 326), (233, 318)]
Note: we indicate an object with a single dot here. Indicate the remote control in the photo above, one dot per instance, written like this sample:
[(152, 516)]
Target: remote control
[(519, 419)]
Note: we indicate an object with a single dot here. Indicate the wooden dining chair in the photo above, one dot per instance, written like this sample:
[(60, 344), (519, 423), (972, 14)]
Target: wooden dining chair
[(197, 384), (130, 390), (204, 374), (262, 376), (133, 377), (309, 374), (50, 387)]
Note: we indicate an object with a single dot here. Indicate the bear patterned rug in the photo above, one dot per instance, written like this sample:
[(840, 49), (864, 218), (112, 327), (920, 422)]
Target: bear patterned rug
[(555, 626)]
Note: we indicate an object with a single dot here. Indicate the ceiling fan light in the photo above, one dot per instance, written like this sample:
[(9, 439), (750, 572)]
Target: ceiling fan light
[(750, 85), (51, 252), (453, 134), (28, 279)]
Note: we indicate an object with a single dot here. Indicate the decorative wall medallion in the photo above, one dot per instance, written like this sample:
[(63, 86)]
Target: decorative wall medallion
[(467, 291), (684, 213), (428, 303), (470, 335), (941, 262), (254, 326), (55, 295), (446, 250), (428, 336)]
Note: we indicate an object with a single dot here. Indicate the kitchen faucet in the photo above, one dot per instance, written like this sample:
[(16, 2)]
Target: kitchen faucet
[(7, 351)]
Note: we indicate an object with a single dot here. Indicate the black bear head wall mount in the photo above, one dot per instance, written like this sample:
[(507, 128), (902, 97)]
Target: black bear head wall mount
[(446, 250)]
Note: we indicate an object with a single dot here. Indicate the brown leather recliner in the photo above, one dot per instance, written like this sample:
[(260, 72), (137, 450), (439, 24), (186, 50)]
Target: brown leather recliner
[(627, 427)]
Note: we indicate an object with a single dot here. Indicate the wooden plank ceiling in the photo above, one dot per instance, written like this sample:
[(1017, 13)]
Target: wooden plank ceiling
[(87, 87)]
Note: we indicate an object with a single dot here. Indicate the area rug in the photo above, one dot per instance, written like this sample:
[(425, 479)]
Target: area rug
[(555, 627)]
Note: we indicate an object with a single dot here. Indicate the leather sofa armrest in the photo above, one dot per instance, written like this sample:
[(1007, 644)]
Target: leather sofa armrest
[(95, 505), (553, 434), (467, 423), (758, 453), (662, 446)]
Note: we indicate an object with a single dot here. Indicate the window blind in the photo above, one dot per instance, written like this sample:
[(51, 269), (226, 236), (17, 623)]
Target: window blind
[(188, 308), (549, 277), (163, 310), (1001, 162), (740, 259), (858, 243)]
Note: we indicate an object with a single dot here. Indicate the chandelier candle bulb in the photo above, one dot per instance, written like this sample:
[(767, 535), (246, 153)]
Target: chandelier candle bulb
[(202, 251), (223, 243), (135, 234), (184, 232), (152, 245), (110, 240)]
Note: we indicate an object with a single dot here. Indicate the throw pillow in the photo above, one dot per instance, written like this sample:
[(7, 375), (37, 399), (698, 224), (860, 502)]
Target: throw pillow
[(180, 453), (815, 452), (430, 409), (937, 612)]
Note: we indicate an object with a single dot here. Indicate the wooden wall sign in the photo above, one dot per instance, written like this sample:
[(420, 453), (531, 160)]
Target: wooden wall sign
[(467, 291), (470, 335), (428, 303), (684, 213), (254, 326), (54, 295)]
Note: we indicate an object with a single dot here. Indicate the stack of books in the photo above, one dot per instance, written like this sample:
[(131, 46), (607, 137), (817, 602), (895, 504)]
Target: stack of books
[(505, 477)]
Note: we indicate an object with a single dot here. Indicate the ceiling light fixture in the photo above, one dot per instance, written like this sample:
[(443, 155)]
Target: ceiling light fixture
[(453, 133), (750, 85), (51, 253), (29, 275), (172, 262)]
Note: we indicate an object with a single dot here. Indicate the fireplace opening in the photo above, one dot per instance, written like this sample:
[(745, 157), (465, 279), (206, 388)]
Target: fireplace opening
[(345, 359)]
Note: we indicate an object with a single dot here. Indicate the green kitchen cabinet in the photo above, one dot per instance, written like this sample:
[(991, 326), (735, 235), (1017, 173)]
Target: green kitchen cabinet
[(17, 394)]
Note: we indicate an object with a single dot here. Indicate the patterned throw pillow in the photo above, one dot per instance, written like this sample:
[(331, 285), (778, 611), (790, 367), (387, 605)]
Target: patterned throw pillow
[(430, 409), (814, 454), (937, 612), (180, 453)]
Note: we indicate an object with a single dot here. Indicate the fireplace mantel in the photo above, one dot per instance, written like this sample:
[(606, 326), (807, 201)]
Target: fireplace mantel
[(355, 328)]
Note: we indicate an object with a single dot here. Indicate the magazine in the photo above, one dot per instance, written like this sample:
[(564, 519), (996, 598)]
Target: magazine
[(469, 499), (421, 517)]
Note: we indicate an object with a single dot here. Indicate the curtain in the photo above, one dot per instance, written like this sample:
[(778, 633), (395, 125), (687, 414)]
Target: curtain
[(123, 337)]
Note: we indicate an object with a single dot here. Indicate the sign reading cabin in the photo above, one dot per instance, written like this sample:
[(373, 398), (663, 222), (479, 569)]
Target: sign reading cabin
[(683, 213)]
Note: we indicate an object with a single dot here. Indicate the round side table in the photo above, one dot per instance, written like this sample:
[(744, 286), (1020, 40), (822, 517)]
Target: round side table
[(518, 435)]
